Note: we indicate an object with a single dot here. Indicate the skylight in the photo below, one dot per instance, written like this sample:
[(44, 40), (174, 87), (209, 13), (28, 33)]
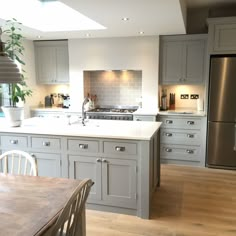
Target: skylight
[(47, 16)]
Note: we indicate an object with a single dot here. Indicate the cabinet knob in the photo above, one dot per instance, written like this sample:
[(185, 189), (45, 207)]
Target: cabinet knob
[(137, 119), (190, 151), (190, 135), (32, 154), (169, 134), (14, 141), (168, 150), (104, 160), (120, 149), (169, 121), (98, 160), (83, 146), (46, 144), (190, 122)]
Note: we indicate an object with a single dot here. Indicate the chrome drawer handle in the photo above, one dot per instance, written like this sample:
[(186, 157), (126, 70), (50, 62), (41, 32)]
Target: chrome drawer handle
[(190, 151), (168, 150), (83, 146), (190, 122), (98, 160), (169, 121), (46, 144), (190, 135), (14, 141), (169, 134), (120, 149)]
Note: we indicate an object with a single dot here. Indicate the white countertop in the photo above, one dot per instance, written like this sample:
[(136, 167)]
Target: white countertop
[(182, 112), (144, 111), (134, 130)]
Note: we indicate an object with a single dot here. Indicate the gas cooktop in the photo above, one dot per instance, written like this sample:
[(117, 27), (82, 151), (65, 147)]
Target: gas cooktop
[(114, 109)]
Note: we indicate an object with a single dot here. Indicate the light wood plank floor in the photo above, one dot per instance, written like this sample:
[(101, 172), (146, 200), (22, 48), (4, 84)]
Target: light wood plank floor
[(191, 201)]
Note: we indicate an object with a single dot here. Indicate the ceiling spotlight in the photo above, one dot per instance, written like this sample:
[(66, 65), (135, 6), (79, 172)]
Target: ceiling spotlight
[(141, 32), (125, 18), (87, 35)]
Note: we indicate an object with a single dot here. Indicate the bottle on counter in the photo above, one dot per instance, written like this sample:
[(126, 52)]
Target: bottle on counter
[(164, 100)]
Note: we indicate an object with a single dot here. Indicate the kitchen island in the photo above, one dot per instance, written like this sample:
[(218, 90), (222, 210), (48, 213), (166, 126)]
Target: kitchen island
[(121, 157)]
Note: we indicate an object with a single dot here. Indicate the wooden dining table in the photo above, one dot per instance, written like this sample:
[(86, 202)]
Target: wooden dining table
[(29, 204)]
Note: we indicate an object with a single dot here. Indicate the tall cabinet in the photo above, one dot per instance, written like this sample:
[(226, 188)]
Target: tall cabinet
[(52, 62), (183, 59)]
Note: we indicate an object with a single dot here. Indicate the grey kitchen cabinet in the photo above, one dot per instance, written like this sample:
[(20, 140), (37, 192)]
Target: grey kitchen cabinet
[(144, 117), (222, 35), (114, 179), (111, 165), (45, 150), (126, 172), (52, 62), (183, 59), (183, 140)]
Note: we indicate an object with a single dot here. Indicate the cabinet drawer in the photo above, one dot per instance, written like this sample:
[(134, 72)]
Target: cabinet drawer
[(46, 143), (120, 148), (181, 122), (180, 152), (82, 145), (14, 142), (180, 136)]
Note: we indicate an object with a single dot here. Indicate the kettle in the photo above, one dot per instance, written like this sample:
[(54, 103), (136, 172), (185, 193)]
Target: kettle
[(48, 101)]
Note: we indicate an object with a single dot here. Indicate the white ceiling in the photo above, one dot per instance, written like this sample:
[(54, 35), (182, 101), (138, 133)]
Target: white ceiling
[(154, 17)]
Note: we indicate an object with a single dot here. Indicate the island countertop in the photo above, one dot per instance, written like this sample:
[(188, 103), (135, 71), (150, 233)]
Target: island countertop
[(134, 130)]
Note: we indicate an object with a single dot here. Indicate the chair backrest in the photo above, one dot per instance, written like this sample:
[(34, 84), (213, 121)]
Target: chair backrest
[(67, 223), (18, 162)]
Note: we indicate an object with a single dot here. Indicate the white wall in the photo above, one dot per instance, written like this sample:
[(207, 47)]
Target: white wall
[(39, 91), (133, 53)]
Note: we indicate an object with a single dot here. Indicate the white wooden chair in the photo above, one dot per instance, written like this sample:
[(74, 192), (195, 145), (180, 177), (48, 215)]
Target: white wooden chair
[(69, 222), (18, 162)]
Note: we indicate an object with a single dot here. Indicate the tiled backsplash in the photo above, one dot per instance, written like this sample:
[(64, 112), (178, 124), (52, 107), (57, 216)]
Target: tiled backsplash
[(114, 87)]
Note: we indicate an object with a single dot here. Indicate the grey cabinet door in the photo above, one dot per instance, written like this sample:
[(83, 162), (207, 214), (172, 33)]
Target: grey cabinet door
[(194, 61), (62, 69), (171, 62), (81, 167), (119, 182), (48, 164), (45, 64)]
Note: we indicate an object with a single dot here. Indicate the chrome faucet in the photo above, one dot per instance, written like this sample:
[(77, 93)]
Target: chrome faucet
[(86, 100)]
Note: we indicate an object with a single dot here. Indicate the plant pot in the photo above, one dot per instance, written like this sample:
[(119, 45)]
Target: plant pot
[(13, 115)]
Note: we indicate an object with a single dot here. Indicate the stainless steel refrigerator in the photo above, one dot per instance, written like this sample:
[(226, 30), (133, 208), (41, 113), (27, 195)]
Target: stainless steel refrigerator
[(221, 131)]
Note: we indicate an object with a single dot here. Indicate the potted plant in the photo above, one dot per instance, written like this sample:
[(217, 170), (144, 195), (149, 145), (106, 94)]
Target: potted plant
[(17, 91)]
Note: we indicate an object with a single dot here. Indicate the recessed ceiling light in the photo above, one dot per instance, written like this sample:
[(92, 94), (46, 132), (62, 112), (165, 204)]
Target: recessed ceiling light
[(141, 32), (87, 35), (125, 18), (47, 16)]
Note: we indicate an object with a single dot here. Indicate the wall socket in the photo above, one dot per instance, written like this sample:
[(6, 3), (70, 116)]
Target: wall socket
[(184, 96), (194, 96)]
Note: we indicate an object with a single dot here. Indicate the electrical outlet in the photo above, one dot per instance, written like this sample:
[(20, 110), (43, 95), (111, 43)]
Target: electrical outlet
[(194, 96), (184, 96)]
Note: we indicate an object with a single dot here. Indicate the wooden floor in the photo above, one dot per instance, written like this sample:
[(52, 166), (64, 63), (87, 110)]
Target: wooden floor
[(191, 201)]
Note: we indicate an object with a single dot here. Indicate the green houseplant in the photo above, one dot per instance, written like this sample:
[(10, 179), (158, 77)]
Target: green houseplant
[(17, 91)]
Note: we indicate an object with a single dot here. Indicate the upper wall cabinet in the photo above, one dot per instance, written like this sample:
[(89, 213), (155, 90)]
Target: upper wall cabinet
[(52, 62), (222, 35), (183, 59)]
